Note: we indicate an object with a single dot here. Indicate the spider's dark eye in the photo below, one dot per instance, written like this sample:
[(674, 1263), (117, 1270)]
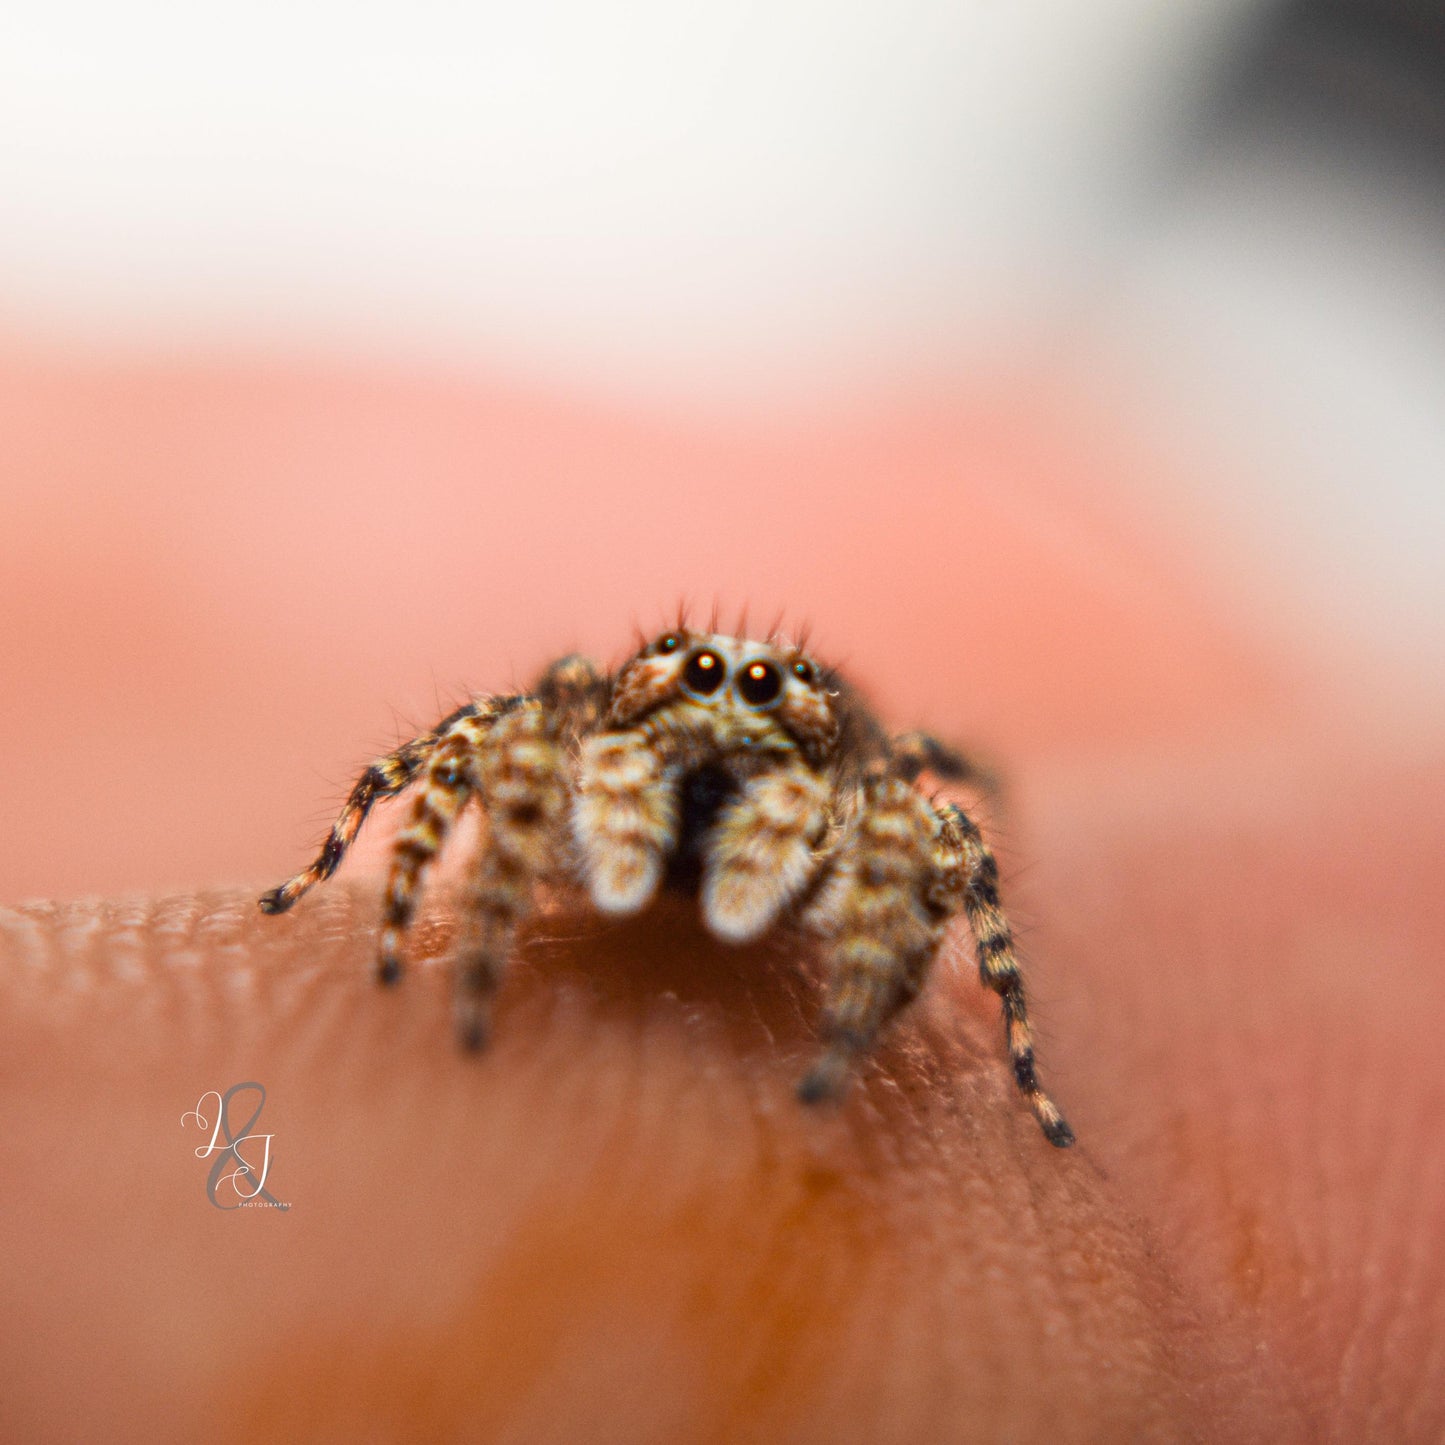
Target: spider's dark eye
[(669, 644), (803, 670), (760, 683), (704, 672)]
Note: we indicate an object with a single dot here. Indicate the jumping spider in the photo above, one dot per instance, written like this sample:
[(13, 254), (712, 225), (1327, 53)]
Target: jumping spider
[(742, 771)]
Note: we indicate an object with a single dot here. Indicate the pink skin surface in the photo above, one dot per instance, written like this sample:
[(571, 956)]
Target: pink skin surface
[(619, 1223)]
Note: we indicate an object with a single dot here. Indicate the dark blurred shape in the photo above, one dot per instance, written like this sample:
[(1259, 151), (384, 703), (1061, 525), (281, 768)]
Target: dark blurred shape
[(1373, 70)]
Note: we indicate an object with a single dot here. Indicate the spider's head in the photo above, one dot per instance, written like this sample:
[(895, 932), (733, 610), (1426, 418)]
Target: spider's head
[(739, 692)]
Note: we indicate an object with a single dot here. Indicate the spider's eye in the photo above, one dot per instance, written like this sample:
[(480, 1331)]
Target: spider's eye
[(803, 670), (669, 643), (704, 672), (760, 683)]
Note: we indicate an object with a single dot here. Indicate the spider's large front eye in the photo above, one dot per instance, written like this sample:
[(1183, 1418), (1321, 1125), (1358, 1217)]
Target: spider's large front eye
[(760, 683), (704, 672)]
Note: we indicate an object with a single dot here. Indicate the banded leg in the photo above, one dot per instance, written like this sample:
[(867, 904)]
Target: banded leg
[(383, 779), (762, 850), (912, 752), (886, 934), (446, 784), (997, 963), (522, 777), (624, 820)]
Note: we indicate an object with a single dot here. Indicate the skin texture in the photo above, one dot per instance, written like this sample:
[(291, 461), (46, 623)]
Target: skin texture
[(618, 1223), (622, 1208)]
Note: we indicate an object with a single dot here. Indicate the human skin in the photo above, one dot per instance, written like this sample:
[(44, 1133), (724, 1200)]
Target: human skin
[(620, 1224)]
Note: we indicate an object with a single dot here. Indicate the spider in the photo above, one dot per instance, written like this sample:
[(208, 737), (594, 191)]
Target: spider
[(741, 771)]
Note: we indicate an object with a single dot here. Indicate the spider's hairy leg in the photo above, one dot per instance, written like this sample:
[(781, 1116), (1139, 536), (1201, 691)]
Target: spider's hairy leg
[(386, 777), (913, 752), (446, 785), (761, 854), (521, 773), (625, 818), (885, 933), (997, 963), (575, 692)]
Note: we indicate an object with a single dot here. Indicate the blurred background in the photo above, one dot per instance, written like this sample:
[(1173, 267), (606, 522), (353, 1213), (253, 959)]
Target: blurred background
[(1077, 371)]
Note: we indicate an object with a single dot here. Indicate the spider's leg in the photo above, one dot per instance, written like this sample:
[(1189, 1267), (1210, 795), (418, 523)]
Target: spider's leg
[(913, 752), (885, 928), (575, 692), (761, 853), (997, 963), (446, 784), (522, 775), (625, 818), (384, 778)]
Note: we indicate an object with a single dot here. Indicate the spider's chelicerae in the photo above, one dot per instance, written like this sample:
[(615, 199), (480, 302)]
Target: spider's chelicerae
[(742, 771)]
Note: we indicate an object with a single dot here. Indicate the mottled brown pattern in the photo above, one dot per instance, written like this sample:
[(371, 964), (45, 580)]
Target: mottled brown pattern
[(522, 779), (764, 850), (998, 964), (765, 771)]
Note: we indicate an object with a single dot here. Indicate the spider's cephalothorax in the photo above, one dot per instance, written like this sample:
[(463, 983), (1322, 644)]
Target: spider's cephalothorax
[(740, 770)]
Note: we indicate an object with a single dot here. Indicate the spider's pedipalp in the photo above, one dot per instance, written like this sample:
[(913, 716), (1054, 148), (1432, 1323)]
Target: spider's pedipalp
[(522, 776), (761, 850), (624, 818), (386, 777), (997, 963)]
